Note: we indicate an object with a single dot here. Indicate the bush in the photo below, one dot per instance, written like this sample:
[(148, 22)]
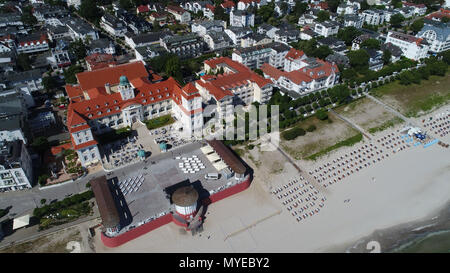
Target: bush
[(42, 180), (43, 201), (250, 146), (293, 133), (311, 128), (322, 114)]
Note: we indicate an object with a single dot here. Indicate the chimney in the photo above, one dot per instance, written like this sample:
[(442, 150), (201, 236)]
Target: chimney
[(108, 88)]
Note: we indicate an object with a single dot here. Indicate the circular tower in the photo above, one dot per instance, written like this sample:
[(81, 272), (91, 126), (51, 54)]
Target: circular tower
[(185, 200)]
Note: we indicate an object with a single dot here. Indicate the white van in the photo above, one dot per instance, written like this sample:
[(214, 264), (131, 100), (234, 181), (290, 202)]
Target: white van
[(213, 176)]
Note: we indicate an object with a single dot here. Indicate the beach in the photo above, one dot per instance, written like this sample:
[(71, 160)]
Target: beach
[(410, 186)]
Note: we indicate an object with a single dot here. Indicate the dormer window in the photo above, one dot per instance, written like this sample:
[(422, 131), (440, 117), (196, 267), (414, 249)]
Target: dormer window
[(150, 92), (88, 108), (115, 101), (106, 103), (167, 94), (117, 107), (99, 113), (90, 116), (153, 98), (157, 90), (159, 96), (142, 95), (109, 110), (144, 100), (97, 106)]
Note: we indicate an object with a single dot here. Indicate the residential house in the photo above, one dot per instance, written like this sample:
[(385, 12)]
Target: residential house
[(240, 18), (373, 16), (237, 33), (16, 170), (32, 43), (412, 47), (202, 28), (437, 35), (327, 28), (113, 25), (302, 75), (255, 56), (102, 45), (145, 39), (179, 13), (186, 46), (217, 40)]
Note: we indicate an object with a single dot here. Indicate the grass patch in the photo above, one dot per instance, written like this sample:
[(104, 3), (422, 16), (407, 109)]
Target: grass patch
[(159, 122), (417, 99), (348, 142), (385, 125), (239, 152)]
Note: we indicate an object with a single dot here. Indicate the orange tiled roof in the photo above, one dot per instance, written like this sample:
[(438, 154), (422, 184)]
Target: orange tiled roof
[(294, 54), (111, 75)]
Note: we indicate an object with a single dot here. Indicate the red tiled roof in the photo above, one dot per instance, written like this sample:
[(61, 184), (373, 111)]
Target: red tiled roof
[(142, 8), (227, 4), (58, 149), (219, 85), (413, 5), (210, 7), (294, 54), (176, 9), (99, 60), (84, 145), (439, 14), (42, 39), (111, 75)]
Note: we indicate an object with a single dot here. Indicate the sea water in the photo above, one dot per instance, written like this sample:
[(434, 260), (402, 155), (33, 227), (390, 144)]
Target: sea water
[(433, 242)]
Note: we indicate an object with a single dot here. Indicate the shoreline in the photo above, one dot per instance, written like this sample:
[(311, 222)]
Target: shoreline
[(395, 238)]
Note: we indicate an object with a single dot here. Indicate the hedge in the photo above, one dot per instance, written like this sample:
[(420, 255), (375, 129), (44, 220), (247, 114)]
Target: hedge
[(293, 133)]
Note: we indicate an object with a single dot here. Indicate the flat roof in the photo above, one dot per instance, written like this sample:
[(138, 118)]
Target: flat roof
[(163, 177)]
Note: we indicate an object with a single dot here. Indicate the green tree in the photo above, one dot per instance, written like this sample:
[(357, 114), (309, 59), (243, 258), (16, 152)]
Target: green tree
[(40, 144), (300, 8), (347, 34), (386, 56), (43, 201), (219, 14), (322, 114), (333, 4), (446, 56), (78, 49), (90, 11), (265, 12), (126, 4), (69, 73), (27, 16), (358, 58), (417, 25), (396, 20), (371, 43), (23, 62), (323, 16), (49, 83), (322, 52)]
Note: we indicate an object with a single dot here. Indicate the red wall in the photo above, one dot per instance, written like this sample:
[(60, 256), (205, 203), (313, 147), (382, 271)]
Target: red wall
[(143, 229)]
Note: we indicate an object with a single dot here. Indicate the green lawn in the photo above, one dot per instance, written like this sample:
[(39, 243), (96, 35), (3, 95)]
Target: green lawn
[(417, 99), (348, 142), (388, 124), (159, 122)]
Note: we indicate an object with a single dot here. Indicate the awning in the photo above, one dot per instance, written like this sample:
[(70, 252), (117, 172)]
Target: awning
[(207, 149), (213, 157), (220, 165), (21, 222)]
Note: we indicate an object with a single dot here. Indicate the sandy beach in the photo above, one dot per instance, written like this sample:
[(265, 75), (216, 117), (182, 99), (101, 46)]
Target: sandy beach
[(409, 186)]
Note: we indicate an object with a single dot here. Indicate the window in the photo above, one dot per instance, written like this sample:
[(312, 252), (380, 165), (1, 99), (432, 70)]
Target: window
[(97, 106), (93, 155), (90, 116), (106, 103), (117, 107), (99, 113), (115, 101), (119, 121), (109, 110), (144, 100), (88, 108)]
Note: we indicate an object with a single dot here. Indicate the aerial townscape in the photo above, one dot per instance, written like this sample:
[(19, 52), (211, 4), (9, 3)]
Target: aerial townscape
[(117, 126)]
